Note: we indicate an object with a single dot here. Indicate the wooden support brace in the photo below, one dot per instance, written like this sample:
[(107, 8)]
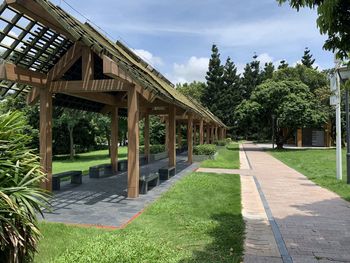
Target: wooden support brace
[(201, 132), (172, 136), (114, 139), (190, 138), (147, 138)]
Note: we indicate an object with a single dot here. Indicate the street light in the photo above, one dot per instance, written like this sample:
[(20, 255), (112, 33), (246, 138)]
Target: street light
[(344, 75)]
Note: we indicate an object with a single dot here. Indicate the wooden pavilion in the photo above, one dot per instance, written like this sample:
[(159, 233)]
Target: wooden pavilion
[(57, 60)]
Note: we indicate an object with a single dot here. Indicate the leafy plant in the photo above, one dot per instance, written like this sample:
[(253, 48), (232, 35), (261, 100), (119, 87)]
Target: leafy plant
[(154, 149), (21, 197), (221, 143), (204, 149)]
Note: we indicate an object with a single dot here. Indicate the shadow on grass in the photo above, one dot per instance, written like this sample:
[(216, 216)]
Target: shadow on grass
[(227, 245), (82, 158)]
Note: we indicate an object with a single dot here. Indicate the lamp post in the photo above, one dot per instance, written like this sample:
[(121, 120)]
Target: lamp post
[(344, 75), (273, 130)]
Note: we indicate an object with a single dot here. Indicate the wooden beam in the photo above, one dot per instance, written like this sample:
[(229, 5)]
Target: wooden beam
[(201, 132), (194, 134), (65, 62), (212, 137), (190, 138), (46, 137), (147, 138), (20, 75), (33, 96), (87, 69), (111, 69), (114, 140), (133, 144), (299, 138), (97, 97), (167, 133), (34, 10), (179, 135), (207, 139), (172, 136), (75, 86)]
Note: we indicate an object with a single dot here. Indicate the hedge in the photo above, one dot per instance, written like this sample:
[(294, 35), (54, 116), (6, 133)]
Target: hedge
[(156, 148), (204, 149)]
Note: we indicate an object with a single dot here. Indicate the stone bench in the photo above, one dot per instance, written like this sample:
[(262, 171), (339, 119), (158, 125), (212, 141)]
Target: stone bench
[(166, 172), (75, 178), (123, 164), (149, 179), (100, 170)]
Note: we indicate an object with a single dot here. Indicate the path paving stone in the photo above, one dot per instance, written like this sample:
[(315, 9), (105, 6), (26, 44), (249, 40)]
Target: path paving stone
[(314, 222)]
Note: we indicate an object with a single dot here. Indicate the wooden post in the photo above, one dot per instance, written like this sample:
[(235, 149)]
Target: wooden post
[(46, 136), (133, 143), (299, 138), (146, 138), (172, 136), (208, 134), (201, 132), (87, 64), (114, 140), (194, 134), (179, 136), (190, 138), (212, 135), (167, 133)]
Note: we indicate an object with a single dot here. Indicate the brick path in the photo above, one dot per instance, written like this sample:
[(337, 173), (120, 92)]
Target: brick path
[(314, 222)]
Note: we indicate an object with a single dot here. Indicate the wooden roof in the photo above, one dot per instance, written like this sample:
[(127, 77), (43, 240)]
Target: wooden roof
[(35, 34)]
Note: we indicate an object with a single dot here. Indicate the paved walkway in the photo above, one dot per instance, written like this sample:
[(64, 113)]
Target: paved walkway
[(312, 223), (103, 201)]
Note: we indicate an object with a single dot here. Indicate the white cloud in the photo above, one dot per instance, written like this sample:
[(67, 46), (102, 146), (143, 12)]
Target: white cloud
[(194, 69), (264, 58), (149, 57)]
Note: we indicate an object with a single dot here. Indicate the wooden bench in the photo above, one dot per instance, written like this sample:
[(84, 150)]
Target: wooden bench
[(166, 172), (100, 170), (75, 178), (149, 179)]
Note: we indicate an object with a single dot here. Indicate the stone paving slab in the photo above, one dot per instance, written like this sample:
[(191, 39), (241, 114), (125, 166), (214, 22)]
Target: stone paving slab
[(314, 222), (104, 202)]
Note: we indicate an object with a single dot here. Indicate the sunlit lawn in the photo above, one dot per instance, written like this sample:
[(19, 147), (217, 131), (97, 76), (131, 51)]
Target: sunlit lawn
[(318, 165), (228, 158), (85, 160)]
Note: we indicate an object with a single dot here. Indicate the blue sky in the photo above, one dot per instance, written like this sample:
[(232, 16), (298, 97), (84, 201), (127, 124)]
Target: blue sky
[(176, 36)]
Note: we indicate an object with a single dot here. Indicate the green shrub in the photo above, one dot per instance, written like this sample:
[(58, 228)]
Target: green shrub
[(228, 140), (221, 143), (156, 148), (204, 149), (21, 197)]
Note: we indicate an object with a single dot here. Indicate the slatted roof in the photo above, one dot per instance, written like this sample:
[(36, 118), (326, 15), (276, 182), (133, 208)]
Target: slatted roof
[(37, 45)]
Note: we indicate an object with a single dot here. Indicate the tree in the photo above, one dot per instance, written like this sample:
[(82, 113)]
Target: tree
[(70, 118), (291, 101), (214, 81), (267, 72), (251, 77), (193, 90), (333, 20), (283, 64), (306, 59)]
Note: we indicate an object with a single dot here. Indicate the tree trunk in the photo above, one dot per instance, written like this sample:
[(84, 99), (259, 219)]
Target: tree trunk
[(71, 142)]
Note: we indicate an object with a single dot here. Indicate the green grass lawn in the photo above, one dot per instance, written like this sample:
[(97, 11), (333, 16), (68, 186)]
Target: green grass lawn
[(318, 165), (227, 158), (85, 160), (198, 220)]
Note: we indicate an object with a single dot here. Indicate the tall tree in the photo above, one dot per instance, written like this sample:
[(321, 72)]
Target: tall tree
[(230, 95), (283, 64), (214, 81), (251, 77), (267, 72), (306, 59), (333, 20)]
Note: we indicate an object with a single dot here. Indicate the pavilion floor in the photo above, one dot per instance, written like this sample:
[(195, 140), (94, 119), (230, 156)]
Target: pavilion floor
[(103, 201)]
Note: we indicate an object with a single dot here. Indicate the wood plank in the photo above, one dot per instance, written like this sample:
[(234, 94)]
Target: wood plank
[(147, 138), (194, 133), (172, 136), (20, 75), (179, 135), (133, 144), (114, 139), (38, 13), (201, 132), (208, 134), (75, 86), (46, 137), (190, 138)]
